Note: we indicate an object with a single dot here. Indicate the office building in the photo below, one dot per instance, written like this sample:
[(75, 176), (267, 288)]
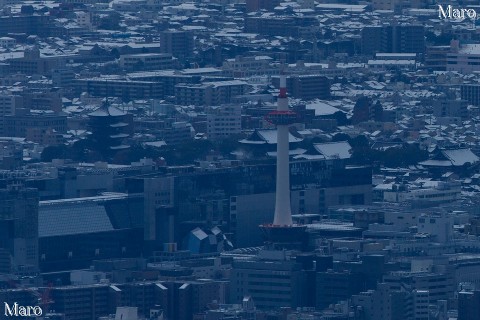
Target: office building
[(209, 93), (22, 122), (270, 283)]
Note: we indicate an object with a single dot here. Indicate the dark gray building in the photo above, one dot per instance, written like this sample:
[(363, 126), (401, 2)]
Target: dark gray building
[(471, 93), (469, 305), (18, 228), (450, 108), (270, 283), (306, 87), (393, 39)]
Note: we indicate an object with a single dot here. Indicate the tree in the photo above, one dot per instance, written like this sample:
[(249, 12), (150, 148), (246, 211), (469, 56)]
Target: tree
[(188, 152), (27, 10), (340, 137), (361, 151), (53, 152), (361, 110), (229, 144)]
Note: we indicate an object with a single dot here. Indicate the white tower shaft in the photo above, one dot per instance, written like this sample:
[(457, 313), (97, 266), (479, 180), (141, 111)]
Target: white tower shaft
[(283, 213)]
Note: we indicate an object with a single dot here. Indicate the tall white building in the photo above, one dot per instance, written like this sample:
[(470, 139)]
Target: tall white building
[(83, 19), (7, 42), (223, 121), (440, 226)]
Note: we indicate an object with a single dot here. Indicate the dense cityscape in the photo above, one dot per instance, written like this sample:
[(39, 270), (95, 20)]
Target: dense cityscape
[(239, 160)]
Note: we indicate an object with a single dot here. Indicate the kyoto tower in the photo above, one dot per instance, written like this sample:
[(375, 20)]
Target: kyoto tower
[(282, 230)]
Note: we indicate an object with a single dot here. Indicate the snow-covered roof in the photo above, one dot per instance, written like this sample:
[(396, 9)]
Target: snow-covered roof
[(322, 108), (459, 157), (267, 137), (156, 144), (334, 150), (436, 163), (293, 152), (107, 111)]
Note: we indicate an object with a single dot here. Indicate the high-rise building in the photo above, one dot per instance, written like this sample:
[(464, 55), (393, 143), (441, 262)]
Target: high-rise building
[(469, 305), (307, 87), (393, 39), (18, 228), (159, 215), (178, 43), (223, 121), (8, 104)]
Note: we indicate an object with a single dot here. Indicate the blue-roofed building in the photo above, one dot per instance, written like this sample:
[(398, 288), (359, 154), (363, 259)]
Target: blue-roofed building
[(199, 241)]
